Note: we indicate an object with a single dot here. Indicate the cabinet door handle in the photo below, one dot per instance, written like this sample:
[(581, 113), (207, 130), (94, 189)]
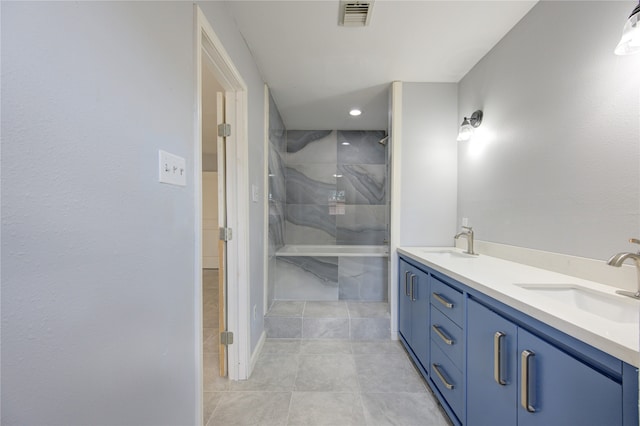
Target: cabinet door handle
[(406, 283), (525, 386), (442, 300), (498, 339), (448, 340), (413, 287), (436, 368)]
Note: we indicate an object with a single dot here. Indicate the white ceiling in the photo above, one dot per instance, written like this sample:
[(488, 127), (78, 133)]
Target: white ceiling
[(318, 70)]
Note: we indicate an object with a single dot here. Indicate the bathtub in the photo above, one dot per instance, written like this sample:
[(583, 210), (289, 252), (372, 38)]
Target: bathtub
[(328, 250), (332, 272)]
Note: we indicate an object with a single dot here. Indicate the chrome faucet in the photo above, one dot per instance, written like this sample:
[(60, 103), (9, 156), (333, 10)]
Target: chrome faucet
[(468, 234), (618, 259)]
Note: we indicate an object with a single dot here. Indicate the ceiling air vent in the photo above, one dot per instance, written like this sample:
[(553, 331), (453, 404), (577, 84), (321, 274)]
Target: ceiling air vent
[(355, 13)]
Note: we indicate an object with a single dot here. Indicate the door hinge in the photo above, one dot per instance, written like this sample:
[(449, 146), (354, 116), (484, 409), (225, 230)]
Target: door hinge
[(224, 130), (226, 338), (226, 234)]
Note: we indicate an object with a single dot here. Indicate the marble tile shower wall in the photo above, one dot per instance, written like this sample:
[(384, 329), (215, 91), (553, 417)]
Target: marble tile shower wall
[(277, 192), (335, 188)]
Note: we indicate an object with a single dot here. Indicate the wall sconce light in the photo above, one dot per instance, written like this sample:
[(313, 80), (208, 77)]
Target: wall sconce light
[(468, 124), (630, 40)]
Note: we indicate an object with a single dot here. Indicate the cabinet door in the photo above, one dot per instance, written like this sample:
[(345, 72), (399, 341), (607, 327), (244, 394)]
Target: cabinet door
[(404, 301), (561, 390), (419, 296), (491, 368)]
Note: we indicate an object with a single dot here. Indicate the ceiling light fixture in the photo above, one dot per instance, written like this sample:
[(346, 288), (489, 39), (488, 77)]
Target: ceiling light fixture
[(468, 124), (630, 40), (355, 112)]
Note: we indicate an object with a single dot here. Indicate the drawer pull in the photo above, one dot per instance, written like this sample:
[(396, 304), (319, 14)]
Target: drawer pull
[(448, 340), (406, 283), (442, 300), (436, 368), (525, 359), (498, 339), (413, 287)]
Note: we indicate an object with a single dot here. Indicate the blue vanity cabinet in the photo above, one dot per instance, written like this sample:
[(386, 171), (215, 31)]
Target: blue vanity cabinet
[(517, 378), (413, 309)]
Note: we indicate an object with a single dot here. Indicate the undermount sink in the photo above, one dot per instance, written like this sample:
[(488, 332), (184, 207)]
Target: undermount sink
[(450, 253), (609, 306)]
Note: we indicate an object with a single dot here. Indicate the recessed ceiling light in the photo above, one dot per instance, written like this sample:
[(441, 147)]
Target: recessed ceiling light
[(355, 112), (345, 143)]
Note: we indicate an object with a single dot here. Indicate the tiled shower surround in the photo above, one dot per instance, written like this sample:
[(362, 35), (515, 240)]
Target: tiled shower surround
[(329, 188)]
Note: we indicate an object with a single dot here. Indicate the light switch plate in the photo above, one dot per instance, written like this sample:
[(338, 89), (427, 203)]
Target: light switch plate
[(172, 169)]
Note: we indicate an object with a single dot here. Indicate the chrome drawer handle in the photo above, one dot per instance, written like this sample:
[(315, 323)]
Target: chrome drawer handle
[(524, 380), (406, 283), (442, 300), (413, 287), (436, 368), (498, 339), (442, 335)]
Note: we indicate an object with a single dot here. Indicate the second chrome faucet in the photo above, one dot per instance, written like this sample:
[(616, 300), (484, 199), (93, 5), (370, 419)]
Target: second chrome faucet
[(468, 234)]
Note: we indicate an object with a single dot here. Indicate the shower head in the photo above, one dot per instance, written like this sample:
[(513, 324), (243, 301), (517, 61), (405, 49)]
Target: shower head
[(384, 140)]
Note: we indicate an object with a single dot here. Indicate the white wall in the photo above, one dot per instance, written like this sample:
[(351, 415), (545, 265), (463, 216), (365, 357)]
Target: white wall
[(558, 167), (428, 175), (98, 303)]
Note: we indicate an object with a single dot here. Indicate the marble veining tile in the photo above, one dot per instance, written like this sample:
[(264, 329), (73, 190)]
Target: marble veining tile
[(277, 175), (387, 373), (311, 146), (276, 224), (363, 278), (309, 224), (277, 131), (210, 402), (252, 409), (325, 328), (306, 278), (310, 184), (313, 309), (326, 373), (402, 409), (363, 147), (273, 372), (366, 225), (326, 408), (363, 183)]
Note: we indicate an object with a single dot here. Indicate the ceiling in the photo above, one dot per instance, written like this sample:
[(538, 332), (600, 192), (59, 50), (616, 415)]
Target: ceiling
[(317, 71)]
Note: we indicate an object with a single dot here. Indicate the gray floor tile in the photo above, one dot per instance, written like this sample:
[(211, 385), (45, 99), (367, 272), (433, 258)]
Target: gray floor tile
[(369, 328), (387, 373), (283, 308), (273, 372), (368, 309), (283, 327), (325, 328), (376, 347), (281, 346), (211, 372), (326, 373), (210, 402), (325, 346), (326, 408), (251, 408), (402, 409), (326, 310)]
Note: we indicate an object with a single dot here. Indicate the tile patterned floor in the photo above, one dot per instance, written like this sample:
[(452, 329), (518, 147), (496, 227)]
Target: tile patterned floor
[(315, 381)]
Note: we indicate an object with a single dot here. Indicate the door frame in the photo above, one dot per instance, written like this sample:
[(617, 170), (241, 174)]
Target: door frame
[(237, 176)]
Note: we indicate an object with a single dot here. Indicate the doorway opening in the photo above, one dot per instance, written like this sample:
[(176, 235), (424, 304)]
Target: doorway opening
[(221, 213)]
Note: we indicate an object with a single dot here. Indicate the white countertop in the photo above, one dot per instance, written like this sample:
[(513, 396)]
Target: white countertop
[(497, 278)]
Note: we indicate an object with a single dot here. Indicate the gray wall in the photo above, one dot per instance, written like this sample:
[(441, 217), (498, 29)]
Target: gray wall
[(558, 166), (428, 172), (98, 302)]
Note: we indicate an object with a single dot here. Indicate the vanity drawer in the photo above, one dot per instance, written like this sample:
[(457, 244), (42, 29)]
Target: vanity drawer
[(447, 378), (448, 336), (447, 299)]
